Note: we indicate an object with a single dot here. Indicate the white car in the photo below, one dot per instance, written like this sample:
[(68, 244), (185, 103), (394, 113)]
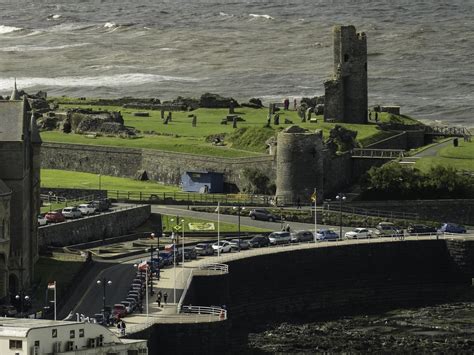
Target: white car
[(42, 221), (359, 233), (71, 212), (86, 209), (222, 247), (279, 238)]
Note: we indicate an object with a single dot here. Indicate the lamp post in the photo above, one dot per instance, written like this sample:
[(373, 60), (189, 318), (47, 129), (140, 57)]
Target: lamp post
[(218, 210), (50, 194), (341, 197), (21, 297), (104, 282), (150, 280), (239, 208)]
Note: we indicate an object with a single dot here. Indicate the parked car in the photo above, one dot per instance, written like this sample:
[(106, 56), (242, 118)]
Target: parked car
[(189, 253), (54, 217), (128, 306), (222, 246), (302, 236), (167, 257), (279, 238), (326, 234), (86, 209), (388, 229), (259, 241), (119, 311), (241, 244), (420, 229), (42, 221), (359, 233), (203, 249), (101, 205), (452, 228), (71, 212), (7, 310), (262, 214)]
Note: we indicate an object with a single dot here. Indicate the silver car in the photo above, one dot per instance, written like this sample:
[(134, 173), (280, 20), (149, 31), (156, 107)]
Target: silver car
[(279, 238)]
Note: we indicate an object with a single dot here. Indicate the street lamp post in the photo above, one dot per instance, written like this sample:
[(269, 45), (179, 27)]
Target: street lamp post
[(239, 208), (341, 197), (150, 280), (21, 297), (104, 283)]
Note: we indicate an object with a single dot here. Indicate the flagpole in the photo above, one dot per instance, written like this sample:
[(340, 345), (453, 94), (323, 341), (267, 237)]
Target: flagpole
[(54, 300), (218, 228), (315, 215)]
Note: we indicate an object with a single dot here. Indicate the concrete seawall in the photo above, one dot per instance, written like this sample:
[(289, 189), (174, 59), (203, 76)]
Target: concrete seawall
[(312, 283), (102, 226)]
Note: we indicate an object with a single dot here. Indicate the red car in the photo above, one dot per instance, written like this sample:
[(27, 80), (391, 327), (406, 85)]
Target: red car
[(54, 217), (119, 311)]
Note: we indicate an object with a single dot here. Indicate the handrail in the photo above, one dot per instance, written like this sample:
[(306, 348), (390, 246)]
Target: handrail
[(224, 268), (185, 290), (212, 310)]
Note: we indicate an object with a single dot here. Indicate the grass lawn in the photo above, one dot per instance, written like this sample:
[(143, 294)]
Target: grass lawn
[(461, 157), (179, 135), (170, 221), (74, 179)]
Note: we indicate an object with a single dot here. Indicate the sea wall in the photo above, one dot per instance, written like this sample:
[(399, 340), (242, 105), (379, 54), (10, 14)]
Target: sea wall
[(98, 227)]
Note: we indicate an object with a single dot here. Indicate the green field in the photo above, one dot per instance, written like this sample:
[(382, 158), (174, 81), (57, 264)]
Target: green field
[(460, 158), (74, 179), (179, 135), (170, 221)]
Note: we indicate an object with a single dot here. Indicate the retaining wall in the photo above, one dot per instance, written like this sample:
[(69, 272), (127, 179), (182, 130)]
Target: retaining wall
[(98, 227)]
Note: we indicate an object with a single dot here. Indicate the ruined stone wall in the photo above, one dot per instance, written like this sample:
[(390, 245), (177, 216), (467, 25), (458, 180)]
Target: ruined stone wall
[(338, 173)]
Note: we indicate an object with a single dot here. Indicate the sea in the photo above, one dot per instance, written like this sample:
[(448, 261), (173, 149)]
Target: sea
[(420, 52)]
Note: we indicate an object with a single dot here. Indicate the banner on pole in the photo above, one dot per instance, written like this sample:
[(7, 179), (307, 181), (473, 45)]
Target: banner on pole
[(313, 196), (51, 285)]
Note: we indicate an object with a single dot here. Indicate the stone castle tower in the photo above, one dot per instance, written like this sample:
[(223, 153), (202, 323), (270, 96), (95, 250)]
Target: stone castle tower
[(346, 93), (19, 195), (299, 165)]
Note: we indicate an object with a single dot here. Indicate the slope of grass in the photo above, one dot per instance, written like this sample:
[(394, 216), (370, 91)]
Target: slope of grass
[(461, 158)]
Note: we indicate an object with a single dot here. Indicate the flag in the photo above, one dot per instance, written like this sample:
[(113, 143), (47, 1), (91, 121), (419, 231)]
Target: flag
[(52, 285), (143, 266), (313, 196)]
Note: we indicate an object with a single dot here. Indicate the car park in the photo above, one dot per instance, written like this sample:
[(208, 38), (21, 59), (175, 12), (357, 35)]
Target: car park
[(222, 247), (326, 235), (54, 217), (262, 214), (276, 238), (86, 209), (239, 244), (42, 221), (204, 249), (359, 233), (420, 229), (388, 229), (71, 212), (302, 236), (452, 228), (259, 241)]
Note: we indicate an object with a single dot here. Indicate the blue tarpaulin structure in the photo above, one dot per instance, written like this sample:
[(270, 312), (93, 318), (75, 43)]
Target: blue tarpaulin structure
[(202, 181)]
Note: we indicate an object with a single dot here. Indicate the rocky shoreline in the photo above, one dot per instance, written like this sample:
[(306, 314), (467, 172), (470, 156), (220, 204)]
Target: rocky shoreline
[(446, 328)]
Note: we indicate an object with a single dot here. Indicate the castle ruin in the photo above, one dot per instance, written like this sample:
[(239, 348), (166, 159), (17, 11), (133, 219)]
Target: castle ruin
[(346, 93)]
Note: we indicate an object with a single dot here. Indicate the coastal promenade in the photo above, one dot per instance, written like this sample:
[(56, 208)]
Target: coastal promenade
[(179, 279)]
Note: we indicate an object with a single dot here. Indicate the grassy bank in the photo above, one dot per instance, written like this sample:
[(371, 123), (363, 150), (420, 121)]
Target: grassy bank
[(460, 158)]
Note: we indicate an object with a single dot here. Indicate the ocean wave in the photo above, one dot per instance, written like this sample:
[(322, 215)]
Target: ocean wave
[(267, 17), (28, 48), (119, 80), (53, 17), (9, 29)]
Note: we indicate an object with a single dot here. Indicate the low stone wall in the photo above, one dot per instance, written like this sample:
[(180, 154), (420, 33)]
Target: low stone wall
[(98, 227), (74, 193), (456, 211)]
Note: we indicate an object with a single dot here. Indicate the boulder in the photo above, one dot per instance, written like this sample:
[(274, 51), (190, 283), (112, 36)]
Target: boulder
[(216, 101)]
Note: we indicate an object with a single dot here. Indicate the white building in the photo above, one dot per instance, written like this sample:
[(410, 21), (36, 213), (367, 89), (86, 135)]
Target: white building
[(21, 336)]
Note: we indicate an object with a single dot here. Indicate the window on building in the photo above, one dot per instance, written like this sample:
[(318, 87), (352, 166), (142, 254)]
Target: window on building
[(16, 344), (37, 343), (72, 334), (54, 333), (81, 333)]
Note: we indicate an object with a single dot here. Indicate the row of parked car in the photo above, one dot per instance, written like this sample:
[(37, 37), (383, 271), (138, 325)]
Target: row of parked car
[(85, 209)]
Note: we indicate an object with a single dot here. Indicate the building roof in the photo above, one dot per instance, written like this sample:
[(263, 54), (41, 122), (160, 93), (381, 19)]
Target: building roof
[(19, 327), (11, 121)]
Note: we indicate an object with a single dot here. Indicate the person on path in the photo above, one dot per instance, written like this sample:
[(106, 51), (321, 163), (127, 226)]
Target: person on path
[(298, 203), (158, 298), (165, 297)]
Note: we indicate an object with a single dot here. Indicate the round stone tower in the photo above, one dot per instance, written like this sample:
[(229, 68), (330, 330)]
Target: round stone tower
[(299, 165)]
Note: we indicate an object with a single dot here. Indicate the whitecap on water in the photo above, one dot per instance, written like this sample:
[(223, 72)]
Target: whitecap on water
[(29, 48), (267, 17), (8, 29)]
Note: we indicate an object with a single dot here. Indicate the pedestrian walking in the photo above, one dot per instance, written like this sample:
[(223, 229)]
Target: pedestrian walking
[(165, 297), (298, 203), (158, 298)]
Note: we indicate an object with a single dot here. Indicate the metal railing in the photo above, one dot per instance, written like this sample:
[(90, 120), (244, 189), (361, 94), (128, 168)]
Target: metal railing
[(223, 268), (185, 290), (377, 153), (335, 207), (218, 312)]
